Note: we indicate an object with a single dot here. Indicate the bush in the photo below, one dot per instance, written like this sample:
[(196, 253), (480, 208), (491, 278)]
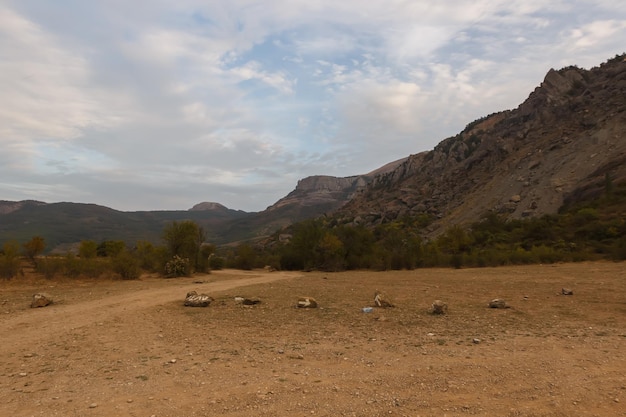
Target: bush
[(126, 266), (177, 267), (216, 262), (50, 267), (9, 266)]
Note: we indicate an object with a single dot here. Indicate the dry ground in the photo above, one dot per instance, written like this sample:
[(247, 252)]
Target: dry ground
[(130, 348)]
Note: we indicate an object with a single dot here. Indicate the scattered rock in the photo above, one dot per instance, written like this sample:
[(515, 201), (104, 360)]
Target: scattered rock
[(307, 302), (498, 303), (194, 299), (567, 291), (439, 307), (476, 341), (251, 301), (382, 300), (93, 405), (41, 300)]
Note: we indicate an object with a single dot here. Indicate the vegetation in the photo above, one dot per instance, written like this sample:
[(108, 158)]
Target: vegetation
[(584, 230), (588, 230)]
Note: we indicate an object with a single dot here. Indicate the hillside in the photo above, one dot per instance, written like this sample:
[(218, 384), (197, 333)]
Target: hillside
[(562, 143)]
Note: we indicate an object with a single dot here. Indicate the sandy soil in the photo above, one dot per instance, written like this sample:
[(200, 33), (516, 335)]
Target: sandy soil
[(130, 348)]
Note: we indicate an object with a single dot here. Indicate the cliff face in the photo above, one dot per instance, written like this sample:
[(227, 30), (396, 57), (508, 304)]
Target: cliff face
[(565, 140), (329, 193)]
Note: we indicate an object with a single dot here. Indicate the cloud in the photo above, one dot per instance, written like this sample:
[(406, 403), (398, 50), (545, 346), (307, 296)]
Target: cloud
[(160, 105)]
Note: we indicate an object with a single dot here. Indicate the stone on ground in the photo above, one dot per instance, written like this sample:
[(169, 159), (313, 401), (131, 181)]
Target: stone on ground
[(439, 307), (307, 302), (194, 299), (41, 300), (382, 300), (497, 303)]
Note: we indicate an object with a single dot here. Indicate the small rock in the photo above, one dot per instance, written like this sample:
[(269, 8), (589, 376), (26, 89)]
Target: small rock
[(567, 291), (194, 299), (172, 360), (93, 405), (382, 300), (41, 300), (476, 341), (251, 301), (307, 302), (439, 307), (497, 303)]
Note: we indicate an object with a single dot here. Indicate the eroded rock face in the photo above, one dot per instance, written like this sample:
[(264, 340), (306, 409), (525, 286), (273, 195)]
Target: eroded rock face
[(555, 147), (41, 300), (307, 302), (194, 299), (439, 307)]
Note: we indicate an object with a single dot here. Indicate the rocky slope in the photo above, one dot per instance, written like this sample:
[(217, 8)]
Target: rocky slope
[(566, 140)]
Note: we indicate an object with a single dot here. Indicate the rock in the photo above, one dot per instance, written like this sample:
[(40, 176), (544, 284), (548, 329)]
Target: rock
[(41, 300), (515, 198), (382, 300), (476, 341), (567, 291), (251, 301), (194, 299), (498, 303), (439, 307), (307, 302)]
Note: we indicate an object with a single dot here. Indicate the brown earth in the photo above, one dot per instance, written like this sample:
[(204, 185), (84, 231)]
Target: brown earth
[(130, 348)]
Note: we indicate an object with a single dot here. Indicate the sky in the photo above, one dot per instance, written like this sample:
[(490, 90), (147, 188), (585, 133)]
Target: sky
[(163, 104)]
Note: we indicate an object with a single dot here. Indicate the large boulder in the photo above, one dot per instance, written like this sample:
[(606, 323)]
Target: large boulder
[(194, 299), (382, 300), (41, 300), (307, 302)]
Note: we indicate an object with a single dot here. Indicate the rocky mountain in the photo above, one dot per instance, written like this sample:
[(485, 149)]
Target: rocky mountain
[(325, 193), (568, 139)]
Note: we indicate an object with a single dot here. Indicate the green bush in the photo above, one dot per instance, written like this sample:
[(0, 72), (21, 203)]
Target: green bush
[(177, 267), (126, 266), (216, 262)]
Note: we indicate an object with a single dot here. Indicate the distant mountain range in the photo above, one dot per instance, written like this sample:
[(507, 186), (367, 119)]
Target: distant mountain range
[(563, 143)]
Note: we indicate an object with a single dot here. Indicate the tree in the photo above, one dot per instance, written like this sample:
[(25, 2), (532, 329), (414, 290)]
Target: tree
[(184, 239), (34, 248), (88, 249)]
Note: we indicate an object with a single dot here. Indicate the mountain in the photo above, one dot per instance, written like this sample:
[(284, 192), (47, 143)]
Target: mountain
[(65, 223), (566, 141)]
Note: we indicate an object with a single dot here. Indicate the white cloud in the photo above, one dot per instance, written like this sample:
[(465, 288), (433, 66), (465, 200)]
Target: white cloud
[(126, 102)]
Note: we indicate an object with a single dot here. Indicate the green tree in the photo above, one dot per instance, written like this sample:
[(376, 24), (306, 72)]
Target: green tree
[(34, 248), (184, 239), (88, 249), (111, 248), (330, 253)]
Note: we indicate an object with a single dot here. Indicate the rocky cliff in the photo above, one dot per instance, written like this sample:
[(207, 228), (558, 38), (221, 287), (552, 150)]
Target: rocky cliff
[(566, 140)]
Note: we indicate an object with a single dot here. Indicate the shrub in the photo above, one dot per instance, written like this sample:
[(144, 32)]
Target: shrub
[(126, 266), (177, 267), (216, 262)]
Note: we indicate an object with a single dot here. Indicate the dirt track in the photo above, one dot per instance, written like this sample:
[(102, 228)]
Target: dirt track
[(116, 348)]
